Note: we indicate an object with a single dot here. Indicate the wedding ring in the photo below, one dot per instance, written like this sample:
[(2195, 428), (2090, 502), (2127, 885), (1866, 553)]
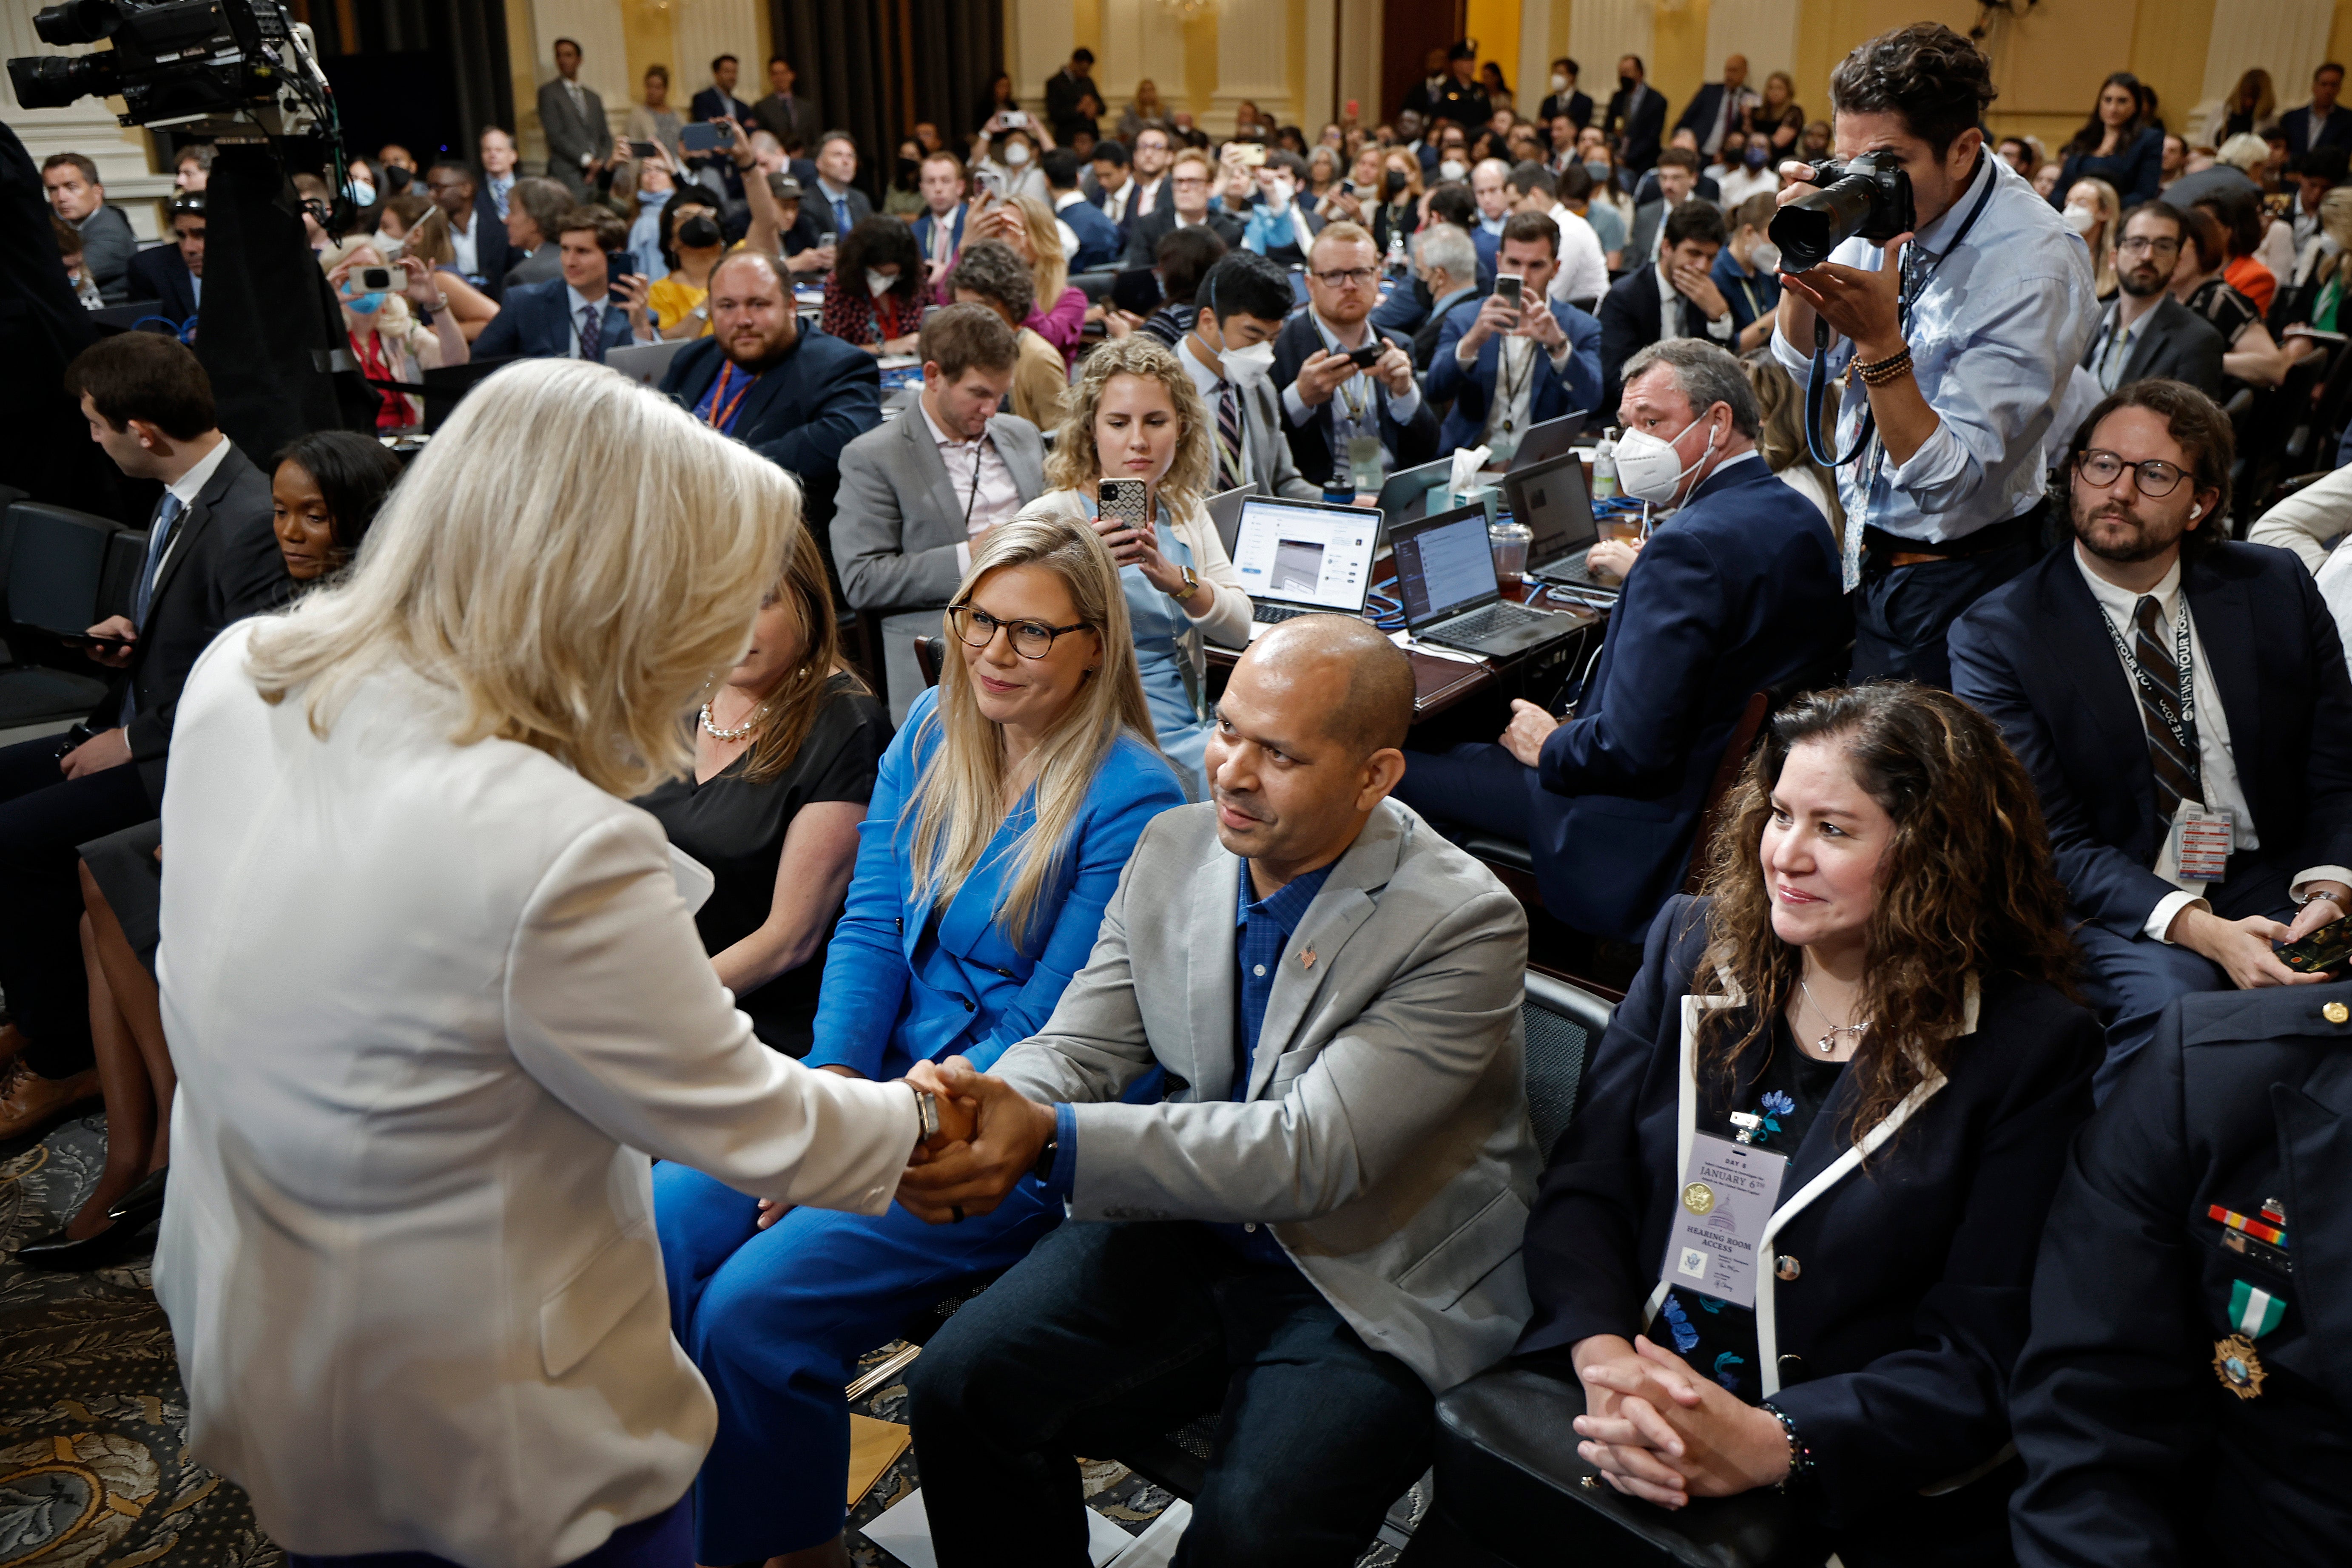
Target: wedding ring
[(957, 1212)]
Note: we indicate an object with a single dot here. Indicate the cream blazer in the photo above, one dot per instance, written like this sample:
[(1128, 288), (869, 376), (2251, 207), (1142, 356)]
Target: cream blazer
[(432, 1007)]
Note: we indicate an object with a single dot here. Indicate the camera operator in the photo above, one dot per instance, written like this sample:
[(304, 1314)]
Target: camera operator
[(1959, 336)]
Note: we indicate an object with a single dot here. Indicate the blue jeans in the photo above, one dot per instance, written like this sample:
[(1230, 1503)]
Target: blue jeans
[(775, 1319), (1109, 1333)]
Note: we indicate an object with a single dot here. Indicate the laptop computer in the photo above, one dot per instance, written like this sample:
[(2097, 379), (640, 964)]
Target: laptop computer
[(1225, 511), (1445, 579), (646, 362), (1303, 558), (1549, 499), (1544, 442), (1405, 493)]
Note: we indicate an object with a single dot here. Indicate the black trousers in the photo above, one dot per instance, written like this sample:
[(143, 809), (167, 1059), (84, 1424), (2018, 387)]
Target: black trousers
[(1900, 612), (1111, 1333), (43, 816)]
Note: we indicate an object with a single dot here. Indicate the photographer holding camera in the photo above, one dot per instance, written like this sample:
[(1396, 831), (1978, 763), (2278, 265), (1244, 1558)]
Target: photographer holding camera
[(1959, 303)]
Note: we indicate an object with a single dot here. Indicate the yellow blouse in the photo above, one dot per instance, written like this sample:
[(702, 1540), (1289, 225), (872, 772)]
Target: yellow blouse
[(673, 298)]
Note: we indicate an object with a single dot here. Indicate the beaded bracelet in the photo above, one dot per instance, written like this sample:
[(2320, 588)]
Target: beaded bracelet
[(1878, 372), (1801, 1457)]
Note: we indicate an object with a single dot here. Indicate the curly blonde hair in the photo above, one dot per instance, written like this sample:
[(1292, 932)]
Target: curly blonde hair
[(1077, 460)]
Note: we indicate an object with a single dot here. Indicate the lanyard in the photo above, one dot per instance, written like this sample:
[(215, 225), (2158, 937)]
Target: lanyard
[(721, 414), (979, 451), (2184, 729), (1354, 399)]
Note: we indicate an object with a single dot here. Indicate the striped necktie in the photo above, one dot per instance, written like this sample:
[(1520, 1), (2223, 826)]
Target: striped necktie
[(592, 335), (1229, 437), (159, 540), (2161, 712)]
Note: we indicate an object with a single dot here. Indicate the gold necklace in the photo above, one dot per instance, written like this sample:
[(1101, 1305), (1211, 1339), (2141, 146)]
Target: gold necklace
[(1827, 1044)]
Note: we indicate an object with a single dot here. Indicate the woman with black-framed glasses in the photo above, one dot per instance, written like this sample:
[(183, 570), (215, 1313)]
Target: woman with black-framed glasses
[(1001, 817)]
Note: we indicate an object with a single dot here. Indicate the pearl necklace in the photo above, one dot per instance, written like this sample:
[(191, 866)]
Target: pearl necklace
[(750, 722), (1827, 1044)]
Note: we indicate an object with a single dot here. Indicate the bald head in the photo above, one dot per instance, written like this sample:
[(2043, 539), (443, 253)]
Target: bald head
[(1355, 679)]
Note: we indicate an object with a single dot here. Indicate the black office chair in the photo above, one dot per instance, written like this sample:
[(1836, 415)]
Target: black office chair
[(54, 570), (927, 659)]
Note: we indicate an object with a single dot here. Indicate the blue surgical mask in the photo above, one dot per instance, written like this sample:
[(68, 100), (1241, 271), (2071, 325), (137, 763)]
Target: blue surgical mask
[(1757, 154), (1598, 170), (365, 304), (363, 194)]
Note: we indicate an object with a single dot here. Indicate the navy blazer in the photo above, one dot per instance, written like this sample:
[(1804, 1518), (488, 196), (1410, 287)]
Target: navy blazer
[(2135, 170), (535, 321), (158, 273), (1641, 134), (1554, 394), (888, 1000), (2134, 1452), (1414, 442), (493, 252), (2296, 124), (1101, 244), (801, 413), (1698, 116), (1910, 1305), (924, 225), (712, 104), (1632, 319), (1738, 592), (2031, 656)]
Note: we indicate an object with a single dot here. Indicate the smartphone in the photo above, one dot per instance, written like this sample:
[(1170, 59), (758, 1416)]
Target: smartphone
[(645, 149), (704, 137), (2329, 947), (93, 639), (991, 185), (1369, 355), (383, 280), (1507, 287), (1253, 154), (1122, 501), (1015, 119), (617, 264)]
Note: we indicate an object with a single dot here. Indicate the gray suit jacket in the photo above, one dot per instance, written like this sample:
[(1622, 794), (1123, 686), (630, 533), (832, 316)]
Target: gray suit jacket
[(1265, 446), (569, 134), (2177, 344), (1384, 1135), (900, 517)]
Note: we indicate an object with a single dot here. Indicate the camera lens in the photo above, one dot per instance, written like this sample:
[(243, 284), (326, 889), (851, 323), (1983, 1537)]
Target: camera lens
[(78, 22), (53, 81), (1810, 227)]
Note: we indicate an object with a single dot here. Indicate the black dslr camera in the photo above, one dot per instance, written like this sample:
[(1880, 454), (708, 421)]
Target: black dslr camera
[(198, 66), (1870, 196)]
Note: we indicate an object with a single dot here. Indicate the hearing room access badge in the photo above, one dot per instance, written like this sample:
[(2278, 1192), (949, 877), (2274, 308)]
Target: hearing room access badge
[(1726, 1198)]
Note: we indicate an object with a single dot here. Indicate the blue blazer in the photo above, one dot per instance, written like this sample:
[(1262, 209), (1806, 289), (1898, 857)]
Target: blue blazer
[(924, 226), (158, 273), (535, 321), (1736, 592), (891, 999), (1554, 394), (2031, 655), (2296, 123), (801, 413), (493, 252), (1911, 1308), (1101, 244), (2135, 170)]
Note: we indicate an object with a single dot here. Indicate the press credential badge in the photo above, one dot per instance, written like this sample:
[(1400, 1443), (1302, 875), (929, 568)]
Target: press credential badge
[(1727, 1197)]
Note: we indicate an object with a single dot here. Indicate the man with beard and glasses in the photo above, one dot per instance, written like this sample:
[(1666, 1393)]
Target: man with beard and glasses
[(795, 395), (2182, 702), (2145, 333)]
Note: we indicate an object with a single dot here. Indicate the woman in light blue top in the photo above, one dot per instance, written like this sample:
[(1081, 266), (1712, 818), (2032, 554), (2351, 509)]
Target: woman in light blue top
[(1003, 813), (1134, 413)]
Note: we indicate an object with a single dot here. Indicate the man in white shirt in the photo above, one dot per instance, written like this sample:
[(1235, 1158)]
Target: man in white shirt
[(2182, 704), (918, 492), (1584, 275), (1151, 156), (1114, 191)]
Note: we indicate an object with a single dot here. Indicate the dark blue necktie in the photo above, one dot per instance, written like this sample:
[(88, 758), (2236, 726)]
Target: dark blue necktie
[(841, 216), (159, 540), (592, 335)]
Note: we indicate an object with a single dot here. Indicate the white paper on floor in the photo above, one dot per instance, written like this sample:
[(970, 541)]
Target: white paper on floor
[(1156, 1547), (904, 1531)]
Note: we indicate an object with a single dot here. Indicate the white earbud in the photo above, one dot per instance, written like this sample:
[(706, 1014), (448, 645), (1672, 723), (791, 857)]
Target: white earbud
[(2195, 513)]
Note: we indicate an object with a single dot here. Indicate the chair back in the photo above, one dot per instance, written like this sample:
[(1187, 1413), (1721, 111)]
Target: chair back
[(56, 564), (1563, 1023), (927, 659), (1727, 774)]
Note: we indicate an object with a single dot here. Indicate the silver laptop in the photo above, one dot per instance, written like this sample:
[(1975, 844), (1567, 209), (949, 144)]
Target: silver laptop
[(1303, 558), (1225, 511), (1445, 580), (646, 362)]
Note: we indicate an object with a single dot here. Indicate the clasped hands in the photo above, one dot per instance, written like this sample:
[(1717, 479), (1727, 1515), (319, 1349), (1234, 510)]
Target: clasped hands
[(1658, 1431), (988, 1142)]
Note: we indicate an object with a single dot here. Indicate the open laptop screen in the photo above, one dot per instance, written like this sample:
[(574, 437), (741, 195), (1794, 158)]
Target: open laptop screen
[(1549, 499), (1303, 554), (1444, 565)]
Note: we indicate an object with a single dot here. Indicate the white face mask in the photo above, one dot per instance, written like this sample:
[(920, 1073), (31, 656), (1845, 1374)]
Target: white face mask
[(2082, 220), (363, 194), (877, 283), (1244, 364), (387, 246), (1453, 169), (1017, 154), (1558, 81), (1279, 194), (1651, 469), (1765, 257)]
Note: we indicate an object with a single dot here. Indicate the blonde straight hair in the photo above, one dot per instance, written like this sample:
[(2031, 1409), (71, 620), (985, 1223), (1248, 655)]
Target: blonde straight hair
[(1049, 274), (959, 802), (572, 560), (1076, 462)]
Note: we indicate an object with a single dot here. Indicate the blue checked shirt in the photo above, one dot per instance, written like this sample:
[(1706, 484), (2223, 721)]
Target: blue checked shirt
[(1995, 334)]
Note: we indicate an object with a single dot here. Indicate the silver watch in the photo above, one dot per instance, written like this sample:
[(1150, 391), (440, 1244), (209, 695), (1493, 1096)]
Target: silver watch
[(927, 1115)]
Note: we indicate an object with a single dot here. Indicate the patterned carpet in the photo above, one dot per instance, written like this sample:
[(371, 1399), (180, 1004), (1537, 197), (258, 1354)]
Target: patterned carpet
[(93, 1469)]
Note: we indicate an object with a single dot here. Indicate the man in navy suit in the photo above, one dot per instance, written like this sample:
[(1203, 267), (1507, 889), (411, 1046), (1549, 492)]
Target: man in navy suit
[(939, 232), (794, 394), (1636, 121), (1506, 367), (718, 102), (1736, 592), (1099, 244), (477, 233), (573, 317), (1634, 315), (2182, 704), (1720, 106), (173, 275), (2323, 122)]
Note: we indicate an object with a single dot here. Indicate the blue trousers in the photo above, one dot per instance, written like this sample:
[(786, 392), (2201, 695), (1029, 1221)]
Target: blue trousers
[(1110, 1333), (1900, 612), (2130, 980), (775, 1319)]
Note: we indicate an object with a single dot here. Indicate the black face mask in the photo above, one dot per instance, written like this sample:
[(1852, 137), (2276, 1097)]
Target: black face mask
[(906, 167), (1625, 84), (1395, 183), (699, 232)]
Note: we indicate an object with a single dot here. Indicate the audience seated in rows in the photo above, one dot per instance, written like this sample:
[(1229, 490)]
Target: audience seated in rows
[(571, 316), (2229, 717), (1347, 422), (993, 274), (919, 493), (1507, 364), (1228, 352), (1135, 413), (1003, 815), (1735, 593), (1673, 295), (1190, 179), (1313, 1223)]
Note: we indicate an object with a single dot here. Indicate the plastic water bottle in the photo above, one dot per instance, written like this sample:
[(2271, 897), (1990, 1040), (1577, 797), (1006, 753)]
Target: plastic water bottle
[(1605, 470), (1396, 253)]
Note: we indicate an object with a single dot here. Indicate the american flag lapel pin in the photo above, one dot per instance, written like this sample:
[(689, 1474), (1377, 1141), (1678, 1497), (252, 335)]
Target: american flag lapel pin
[(1306, 959)]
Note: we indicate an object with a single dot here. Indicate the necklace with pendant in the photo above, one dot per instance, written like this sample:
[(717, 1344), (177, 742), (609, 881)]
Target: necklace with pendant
[(1827, 1044), (750, 722)]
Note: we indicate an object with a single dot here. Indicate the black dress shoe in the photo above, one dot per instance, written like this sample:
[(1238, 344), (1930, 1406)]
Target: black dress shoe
[(145, 1199), (61, 1252)]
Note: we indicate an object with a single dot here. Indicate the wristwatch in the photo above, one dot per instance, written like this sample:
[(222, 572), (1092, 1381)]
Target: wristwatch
[(1044, 1169), (1191, 585), (927, 1115)]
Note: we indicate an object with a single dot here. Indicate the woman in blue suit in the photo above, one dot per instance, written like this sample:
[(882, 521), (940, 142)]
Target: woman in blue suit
[(1003, 815)]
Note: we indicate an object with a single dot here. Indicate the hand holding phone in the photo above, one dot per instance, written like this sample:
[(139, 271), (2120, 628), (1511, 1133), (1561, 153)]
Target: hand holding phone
[(2327, 946)]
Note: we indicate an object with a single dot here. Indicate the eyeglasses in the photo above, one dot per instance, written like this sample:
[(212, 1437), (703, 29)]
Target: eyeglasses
[(1345, 276), (2140, 243), (1193, 180), (2154, 477), (1031, 639)]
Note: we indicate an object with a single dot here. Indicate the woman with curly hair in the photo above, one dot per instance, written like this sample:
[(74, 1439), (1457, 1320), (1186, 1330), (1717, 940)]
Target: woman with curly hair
[(1135, 414), (1868, 1009), (875, 296)]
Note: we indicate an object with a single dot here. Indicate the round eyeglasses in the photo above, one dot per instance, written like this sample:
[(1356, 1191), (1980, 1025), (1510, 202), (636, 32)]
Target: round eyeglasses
[(2154, 477), (977, 628)]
